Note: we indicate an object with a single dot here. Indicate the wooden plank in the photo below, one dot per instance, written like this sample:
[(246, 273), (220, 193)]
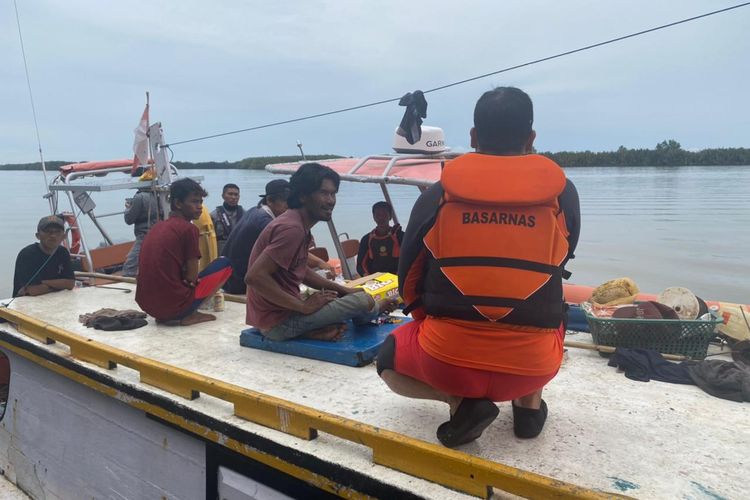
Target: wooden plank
[(108, 256)]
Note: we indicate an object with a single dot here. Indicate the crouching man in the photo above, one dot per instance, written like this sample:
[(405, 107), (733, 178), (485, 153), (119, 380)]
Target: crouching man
[(482, 267), (278, 265)]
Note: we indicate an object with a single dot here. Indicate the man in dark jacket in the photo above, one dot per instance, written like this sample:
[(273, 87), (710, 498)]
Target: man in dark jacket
[(226, 215), (142, 212)]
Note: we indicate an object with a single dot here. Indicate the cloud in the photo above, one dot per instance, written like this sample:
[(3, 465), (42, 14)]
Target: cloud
[(218, 66)]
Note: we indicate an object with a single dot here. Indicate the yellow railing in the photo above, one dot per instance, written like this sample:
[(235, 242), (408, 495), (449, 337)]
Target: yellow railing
[(454, 469)]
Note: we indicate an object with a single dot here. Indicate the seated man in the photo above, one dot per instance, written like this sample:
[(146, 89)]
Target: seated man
[(278, 265), (379, 249), (169, 286), (226, 215), (481, 267), (243, 237), (44, 267)]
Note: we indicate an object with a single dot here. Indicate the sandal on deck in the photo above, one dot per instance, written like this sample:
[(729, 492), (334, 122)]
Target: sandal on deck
[(528, 423), (471, 419)]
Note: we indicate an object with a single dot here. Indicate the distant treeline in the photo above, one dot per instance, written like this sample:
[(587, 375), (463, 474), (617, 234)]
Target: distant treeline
[(252, 163), (51, 165), (666, 153)]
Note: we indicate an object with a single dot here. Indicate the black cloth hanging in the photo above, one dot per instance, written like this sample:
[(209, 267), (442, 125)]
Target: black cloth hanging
[(416, 109)]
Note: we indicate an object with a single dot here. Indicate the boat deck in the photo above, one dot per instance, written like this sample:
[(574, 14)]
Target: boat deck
[(604, 432), (9, 491)]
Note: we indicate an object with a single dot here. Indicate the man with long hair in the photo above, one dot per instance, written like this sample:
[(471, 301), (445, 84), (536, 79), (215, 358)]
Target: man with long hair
[(279, 264)]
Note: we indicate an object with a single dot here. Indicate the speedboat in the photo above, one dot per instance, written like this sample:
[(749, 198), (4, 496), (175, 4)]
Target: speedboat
[(185, 412)]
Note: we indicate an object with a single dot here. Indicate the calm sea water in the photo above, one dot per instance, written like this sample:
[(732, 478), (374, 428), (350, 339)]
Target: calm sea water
[(676, 226)]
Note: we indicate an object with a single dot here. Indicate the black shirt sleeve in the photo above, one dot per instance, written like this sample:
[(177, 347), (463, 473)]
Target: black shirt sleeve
[(420, 221), (570, 205), (362, 253), (400, 235), (24, 271), (134, 213)]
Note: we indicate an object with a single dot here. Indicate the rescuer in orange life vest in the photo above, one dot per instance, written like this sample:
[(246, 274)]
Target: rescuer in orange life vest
[(481, 269)]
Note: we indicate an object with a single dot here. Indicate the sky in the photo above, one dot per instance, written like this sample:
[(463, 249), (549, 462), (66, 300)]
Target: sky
[(217, 66)]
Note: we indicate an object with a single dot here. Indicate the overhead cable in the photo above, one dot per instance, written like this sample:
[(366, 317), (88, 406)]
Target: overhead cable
[(467, 80)]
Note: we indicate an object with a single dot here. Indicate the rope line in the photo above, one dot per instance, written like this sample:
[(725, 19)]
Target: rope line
[(33, 110), (467, 80)]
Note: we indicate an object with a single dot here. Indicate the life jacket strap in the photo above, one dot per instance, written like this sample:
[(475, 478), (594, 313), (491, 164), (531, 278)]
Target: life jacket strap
[(516, 304), (478, 300), (525, 265), (414, 305)]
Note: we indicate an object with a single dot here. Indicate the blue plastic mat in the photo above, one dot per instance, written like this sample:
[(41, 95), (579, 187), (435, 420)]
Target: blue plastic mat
[(357, 347)]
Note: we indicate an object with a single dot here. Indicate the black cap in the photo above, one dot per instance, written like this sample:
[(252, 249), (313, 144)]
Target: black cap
[(49, 221), (276, 187)]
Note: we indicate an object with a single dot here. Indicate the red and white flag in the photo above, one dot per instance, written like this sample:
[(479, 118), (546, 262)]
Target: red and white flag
[(140, 144)]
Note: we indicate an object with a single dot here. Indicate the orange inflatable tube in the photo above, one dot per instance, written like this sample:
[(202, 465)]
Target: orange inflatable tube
[(575, 294)]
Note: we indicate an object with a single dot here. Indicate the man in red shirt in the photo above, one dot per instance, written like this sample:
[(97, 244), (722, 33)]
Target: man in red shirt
[(278, 265), (170, 288)]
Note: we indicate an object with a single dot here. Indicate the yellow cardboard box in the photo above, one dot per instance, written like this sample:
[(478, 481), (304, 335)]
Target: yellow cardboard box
[(380, 286)]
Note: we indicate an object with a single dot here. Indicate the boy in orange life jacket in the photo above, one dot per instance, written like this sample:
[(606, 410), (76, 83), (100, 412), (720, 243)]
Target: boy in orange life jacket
[(379, 249), (481, 268)]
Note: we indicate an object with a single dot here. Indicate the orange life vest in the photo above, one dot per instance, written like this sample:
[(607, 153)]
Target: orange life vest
[(499, 241), (383, 252)]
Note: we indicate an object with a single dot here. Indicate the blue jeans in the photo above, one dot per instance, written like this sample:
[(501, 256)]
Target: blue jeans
[(355, 306)]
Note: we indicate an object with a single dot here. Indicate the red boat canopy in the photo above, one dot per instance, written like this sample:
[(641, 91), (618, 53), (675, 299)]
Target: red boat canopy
[(375, 169), (94, 165)]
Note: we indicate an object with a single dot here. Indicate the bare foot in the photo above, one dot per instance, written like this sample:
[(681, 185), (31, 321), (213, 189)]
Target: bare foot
[(331, 333), (169, 322), (197, 317)]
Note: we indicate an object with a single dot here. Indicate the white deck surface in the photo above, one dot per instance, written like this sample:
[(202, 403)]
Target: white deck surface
[(647, 440), (9, 491)]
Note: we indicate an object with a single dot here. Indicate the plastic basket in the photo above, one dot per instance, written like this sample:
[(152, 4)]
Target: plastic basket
[(668, 336)]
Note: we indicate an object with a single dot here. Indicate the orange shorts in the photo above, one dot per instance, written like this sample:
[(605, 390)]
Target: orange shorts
[(411, 360)]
